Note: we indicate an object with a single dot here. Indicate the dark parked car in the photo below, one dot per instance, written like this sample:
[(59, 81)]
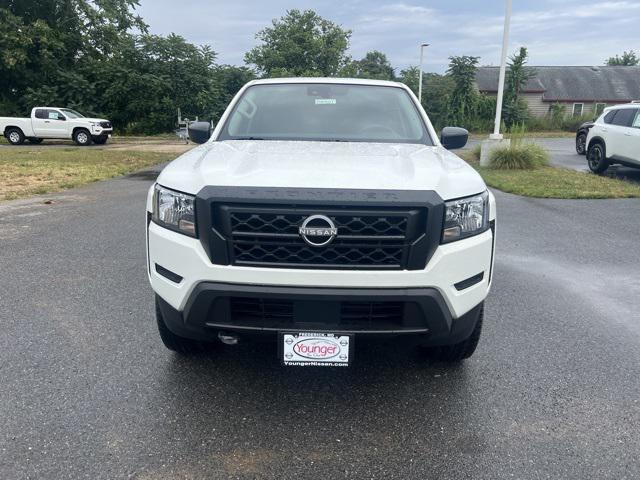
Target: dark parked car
[(581, 137)]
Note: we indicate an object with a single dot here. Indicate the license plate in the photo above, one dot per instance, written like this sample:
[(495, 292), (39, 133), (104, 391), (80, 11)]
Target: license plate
[(315, 349)]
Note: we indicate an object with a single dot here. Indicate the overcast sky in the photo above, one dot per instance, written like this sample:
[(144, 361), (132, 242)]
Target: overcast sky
[(557, 32)]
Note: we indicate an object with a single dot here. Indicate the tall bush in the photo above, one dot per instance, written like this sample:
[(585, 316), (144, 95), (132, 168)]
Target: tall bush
[(515, 109), (463, 99)]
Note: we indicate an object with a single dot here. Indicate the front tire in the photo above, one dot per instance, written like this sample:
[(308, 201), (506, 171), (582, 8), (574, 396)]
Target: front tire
[(15, 136), (581, 143), (459, 351), (82, 137), (173, 342), (597, 158)]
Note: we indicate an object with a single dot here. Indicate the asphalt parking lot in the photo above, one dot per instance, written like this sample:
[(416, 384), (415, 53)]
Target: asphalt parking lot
[(88, 391)]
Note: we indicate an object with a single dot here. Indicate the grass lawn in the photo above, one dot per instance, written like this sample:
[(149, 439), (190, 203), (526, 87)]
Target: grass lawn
[(25, 171), (553, 182)]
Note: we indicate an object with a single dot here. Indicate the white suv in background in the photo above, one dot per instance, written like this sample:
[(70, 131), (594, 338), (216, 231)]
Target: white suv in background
[(615, 138)]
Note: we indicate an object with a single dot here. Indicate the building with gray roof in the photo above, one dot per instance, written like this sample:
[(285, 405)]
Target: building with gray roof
[(581, 90)]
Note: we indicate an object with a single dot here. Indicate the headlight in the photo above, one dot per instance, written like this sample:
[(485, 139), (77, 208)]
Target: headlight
[(174, 210), (466, 217)]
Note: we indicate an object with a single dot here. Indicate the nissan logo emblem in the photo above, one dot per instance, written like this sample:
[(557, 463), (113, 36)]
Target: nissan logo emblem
[(318, 230)]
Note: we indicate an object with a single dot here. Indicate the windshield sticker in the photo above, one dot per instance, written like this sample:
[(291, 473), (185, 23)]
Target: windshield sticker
[(325, 101)]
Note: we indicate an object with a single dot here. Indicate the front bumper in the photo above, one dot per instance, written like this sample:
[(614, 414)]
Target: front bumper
[(420, 313), (100, 132)]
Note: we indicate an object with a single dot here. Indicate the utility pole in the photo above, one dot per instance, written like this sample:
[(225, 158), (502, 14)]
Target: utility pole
[(422, 47), (503, 69)]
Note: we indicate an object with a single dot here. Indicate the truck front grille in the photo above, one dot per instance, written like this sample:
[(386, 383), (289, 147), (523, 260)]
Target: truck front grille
[(366, 238), (372, 229), (352, 315)]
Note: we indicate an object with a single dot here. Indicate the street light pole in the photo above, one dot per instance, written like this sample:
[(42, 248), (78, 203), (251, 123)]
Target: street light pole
[(503, 68), (422, 47)]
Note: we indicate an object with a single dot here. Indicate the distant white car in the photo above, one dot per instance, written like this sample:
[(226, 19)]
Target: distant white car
[(53, 122), (615, 138)]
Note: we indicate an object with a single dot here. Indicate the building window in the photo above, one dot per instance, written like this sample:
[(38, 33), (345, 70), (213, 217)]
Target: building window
[(600, 108), (577, 109)]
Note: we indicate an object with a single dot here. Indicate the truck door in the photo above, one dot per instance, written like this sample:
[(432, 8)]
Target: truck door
[(49, 123), (631, 147), (618, 133), (40, 122)]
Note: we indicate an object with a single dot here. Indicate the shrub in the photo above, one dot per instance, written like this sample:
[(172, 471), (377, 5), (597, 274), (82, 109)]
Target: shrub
[(519, 156), (517, 134), (557, 120), (571, 124)]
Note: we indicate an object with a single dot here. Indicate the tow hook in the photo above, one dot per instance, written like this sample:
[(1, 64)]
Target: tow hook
[(228, 338)]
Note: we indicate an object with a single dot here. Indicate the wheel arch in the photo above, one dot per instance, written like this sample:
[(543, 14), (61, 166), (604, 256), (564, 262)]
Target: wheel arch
[(599, 140), (75, 129), (11, 127)]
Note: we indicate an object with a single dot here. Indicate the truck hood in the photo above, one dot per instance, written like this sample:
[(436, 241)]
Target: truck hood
[(351, 165), (85, 119)]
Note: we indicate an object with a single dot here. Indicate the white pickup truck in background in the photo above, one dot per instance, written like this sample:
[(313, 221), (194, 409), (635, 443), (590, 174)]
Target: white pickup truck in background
[(59, 123)]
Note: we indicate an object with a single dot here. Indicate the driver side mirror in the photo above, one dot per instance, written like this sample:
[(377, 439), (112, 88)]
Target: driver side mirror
[(200, 132), (454, 137)]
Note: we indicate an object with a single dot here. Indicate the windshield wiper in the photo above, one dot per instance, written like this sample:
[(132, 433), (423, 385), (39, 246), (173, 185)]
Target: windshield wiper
[(249, 138)]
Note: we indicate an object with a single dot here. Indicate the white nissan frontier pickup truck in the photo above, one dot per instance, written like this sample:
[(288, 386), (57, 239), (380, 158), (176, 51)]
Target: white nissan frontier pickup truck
[(320, 211), (58, 123)]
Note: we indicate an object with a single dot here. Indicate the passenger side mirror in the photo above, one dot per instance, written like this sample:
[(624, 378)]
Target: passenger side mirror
[(454, 137), (200, 132)]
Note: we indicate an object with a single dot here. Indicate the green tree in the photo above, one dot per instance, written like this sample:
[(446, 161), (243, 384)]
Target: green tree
[(45, 43), (628, 59), (150, 77), (373, 65), (515, 109), (410, 76), (84, 54), (300, 44), (437, 91), (464, 97)]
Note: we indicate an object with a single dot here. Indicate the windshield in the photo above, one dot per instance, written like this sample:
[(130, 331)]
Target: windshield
[(326, 112), (71, 113)]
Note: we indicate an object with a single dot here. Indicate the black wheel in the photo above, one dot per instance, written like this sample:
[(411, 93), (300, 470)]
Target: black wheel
[(100, 140), (184, 346), (82, 137), (35, 141), (459, 351), (15, 136), (581, 143), (597, 158)]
